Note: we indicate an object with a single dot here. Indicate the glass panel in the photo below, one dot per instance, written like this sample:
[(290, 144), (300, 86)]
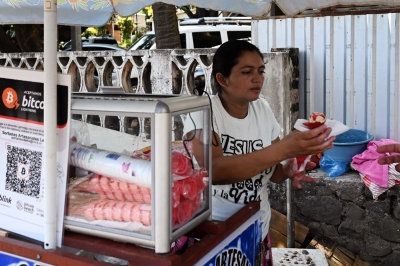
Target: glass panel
[(182, 36), (132, 126), (93, 119), (77, 117), (190, 167), (206, 39), (110, 189), (147, 128), (111, 186), (112, 122), (239, 35), (177, 134), (144, 43)]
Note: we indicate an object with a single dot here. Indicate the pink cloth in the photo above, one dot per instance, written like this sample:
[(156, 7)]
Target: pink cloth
[(367, 163), (394, 179)]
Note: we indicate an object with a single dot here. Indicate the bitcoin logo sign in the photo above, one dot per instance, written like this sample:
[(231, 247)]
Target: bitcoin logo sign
[(10, 98)]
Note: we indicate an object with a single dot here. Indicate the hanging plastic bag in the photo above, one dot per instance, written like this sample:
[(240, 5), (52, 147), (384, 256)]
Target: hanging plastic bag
[(333, 168)]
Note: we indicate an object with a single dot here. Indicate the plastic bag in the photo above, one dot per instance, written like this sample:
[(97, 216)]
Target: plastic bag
[(333, 168)]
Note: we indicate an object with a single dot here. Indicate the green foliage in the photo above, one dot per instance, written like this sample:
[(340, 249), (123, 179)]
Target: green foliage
[(89, 32), (126, 25), (102, 31), (148, 11)]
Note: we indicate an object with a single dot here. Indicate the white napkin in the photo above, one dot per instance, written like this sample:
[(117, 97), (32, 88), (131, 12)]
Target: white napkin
[(337, 127)]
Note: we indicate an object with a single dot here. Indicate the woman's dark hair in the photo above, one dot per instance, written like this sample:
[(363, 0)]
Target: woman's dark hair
[(227, 56)]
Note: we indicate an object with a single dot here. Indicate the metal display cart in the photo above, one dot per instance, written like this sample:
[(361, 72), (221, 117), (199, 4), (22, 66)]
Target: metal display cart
[(209, 233), (161, 118), (159, 113)]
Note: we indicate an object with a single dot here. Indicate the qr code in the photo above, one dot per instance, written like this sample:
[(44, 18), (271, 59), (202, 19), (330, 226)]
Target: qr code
[(23, 171)]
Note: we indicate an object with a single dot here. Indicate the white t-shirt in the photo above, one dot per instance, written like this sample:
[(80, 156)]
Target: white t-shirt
[(241, 136)]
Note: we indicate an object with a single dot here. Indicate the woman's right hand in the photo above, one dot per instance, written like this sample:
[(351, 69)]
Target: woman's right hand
[(308, 142)]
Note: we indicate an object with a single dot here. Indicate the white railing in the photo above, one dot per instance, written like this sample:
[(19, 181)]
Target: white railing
[(159, 72), (349, 66), (144, 71)]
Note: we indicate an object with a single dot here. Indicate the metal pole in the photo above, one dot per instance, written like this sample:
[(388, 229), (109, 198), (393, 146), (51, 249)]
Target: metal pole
[(50, 124), (290, 214)]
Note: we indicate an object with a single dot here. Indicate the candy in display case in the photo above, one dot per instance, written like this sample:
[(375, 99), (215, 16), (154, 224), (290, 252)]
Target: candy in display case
[(133, 177)]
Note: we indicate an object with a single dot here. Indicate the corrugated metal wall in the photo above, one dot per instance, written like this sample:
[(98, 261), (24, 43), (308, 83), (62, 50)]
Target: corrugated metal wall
[(349, 67)]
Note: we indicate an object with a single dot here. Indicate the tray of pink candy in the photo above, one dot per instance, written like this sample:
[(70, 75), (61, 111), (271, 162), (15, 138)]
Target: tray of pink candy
[(101, 200)]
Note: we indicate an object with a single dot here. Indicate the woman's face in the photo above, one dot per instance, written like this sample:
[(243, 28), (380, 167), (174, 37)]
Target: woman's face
[(246, 79)]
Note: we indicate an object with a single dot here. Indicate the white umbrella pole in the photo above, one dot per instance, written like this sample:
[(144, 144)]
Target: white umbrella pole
[(50, 124)]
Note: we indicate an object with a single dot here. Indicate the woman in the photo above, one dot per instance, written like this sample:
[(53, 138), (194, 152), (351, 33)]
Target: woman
[(246, 150)]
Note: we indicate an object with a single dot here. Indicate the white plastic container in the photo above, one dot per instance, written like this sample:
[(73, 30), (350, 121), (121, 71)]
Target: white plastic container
[(161, 120)]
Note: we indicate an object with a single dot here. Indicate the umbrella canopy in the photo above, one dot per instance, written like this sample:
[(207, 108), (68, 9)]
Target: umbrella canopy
[(98, 12)]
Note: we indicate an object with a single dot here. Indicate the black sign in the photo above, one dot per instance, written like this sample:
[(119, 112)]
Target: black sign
[(24, 101)]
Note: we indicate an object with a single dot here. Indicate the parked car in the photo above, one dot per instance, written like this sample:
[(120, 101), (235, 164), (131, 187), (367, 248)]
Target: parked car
[(92, 40), (97, 47), (100, 47)]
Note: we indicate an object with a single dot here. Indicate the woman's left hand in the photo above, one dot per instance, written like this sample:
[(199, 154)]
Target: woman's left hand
[(298, 176)]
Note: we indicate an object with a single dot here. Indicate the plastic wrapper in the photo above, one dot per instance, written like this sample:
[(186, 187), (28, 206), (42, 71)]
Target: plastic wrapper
[(113, 210), (333, 168), (114, 165), (100, 198), (91, 209), (181, 164), (108, 188), (125, 202)]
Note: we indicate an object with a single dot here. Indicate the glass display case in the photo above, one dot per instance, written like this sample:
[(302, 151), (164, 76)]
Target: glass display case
[(134, 178)]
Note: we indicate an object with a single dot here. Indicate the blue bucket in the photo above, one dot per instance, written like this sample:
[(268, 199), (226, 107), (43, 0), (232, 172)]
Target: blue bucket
[(348, 144)]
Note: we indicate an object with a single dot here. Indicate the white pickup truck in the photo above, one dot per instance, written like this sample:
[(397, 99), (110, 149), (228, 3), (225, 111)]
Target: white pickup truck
[(203, 33), (208, 32)]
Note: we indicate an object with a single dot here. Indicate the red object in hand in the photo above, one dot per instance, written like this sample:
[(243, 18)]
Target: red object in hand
[(315, 120), (300, 160)]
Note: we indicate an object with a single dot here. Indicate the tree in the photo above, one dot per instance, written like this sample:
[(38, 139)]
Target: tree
[(126, 25), (166, 26), (25, 38), (29, 37), (166, 23)]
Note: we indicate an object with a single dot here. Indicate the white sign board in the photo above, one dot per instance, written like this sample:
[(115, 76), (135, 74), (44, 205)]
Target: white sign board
[(22, 147)]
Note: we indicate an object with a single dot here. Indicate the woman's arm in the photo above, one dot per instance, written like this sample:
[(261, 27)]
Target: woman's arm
[(236, 168)]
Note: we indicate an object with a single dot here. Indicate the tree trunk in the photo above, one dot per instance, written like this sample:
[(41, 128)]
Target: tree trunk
[(166, 26), (29, 37), (167, 36)]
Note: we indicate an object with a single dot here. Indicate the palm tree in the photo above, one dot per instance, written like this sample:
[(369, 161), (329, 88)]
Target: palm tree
[(166, 26)]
